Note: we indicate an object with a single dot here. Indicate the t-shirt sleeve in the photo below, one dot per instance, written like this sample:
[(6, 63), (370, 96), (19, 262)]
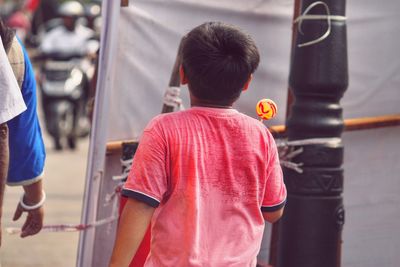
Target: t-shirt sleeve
[(27, 151), (275, 189), (11, 101), (147, 180)]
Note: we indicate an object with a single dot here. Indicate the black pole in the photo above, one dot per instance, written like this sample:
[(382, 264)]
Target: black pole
[(273, 251), (311, 228)]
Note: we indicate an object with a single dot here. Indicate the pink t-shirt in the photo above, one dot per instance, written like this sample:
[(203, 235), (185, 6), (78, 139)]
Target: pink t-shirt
[(211, 172)]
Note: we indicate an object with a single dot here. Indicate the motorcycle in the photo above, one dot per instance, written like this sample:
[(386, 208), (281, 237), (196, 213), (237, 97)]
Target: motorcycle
[(64, 85)]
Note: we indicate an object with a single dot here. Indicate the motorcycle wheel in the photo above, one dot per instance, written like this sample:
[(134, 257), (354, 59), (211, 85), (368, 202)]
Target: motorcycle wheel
[(57, 144), (72, 142)]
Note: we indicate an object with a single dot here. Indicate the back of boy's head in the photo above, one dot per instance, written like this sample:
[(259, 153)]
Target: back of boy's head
[(218, 59)]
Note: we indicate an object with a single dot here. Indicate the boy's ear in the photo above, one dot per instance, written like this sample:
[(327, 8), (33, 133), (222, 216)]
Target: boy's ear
[(182, 75), (246, 85)]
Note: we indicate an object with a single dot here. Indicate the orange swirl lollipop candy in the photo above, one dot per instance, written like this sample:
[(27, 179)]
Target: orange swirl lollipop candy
[(266, 109)]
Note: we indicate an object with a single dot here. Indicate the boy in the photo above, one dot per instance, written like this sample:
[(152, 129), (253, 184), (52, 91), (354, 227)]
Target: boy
[(206, 177)]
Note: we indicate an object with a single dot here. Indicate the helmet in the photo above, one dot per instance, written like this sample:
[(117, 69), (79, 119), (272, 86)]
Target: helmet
[(92, 10), (71, 9)]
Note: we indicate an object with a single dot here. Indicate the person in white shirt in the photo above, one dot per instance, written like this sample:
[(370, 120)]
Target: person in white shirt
[(71, 37)]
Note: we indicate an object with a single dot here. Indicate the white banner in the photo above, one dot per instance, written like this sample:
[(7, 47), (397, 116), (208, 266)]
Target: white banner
[(150, 31)]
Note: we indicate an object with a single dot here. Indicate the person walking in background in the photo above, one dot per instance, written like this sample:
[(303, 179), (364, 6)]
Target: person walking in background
[(209, 176), (26, 148), (44, 12), (70, 38)]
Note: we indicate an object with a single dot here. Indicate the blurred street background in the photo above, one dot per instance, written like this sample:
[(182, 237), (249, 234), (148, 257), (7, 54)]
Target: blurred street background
[(64, 184), (64, 174)]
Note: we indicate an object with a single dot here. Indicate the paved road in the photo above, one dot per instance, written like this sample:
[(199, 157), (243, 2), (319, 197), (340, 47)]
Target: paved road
[(64, 184)]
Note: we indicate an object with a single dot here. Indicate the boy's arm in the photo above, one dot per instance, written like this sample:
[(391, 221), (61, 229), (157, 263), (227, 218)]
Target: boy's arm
[(132, 227), (275, 190), (273, 216)]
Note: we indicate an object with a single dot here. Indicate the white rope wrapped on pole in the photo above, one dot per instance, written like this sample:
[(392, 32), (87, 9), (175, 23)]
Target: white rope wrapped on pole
[(126, 166), (328, 17), (172, 97), (287, 152)]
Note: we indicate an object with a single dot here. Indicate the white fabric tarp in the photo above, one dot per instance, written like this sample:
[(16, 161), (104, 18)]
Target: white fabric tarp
[(147, 39), (371, 233), (150, 30), (149, 36)]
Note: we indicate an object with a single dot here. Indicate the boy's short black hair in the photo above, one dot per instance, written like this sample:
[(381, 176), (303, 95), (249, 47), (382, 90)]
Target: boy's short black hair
[(218, 59)]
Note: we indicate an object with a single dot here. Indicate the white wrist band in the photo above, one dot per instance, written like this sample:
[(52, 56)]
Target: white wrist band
[(33, 207)]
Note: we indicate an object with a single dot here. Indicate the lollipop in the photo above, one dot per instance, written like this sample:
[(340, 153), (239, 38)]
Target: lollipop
[(266, 109)]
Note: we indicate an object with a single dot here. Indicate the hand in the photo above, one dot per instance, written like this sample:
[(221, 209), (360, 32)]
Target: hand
[(34, 220)]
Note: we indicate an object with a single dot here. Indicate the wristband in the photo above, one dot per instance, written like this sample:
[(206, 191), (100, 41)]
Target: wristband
[(33, 207)]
